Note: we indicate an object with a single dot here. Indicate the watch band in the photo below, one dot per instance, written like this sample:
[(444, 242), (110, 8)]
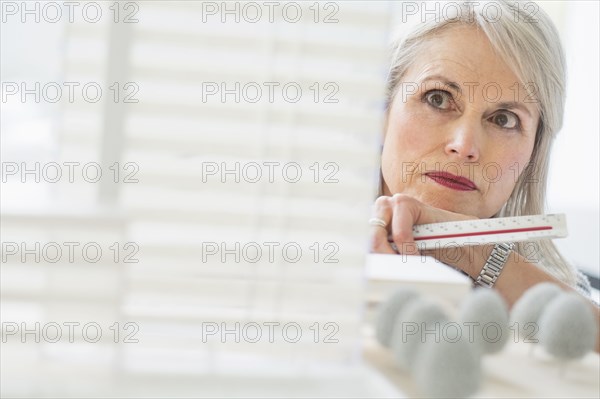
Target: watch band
[(493, 266)]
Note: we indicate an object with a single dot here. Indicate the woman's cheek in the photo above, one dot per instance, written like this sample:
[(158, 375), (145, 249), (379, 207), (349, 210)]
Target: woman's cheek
[(392, 172), (511, 169)]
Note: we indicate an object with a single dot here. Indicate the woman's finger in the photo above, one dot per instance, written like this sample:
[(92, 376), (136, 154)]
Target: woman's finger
[(406, 211), (379, 234)]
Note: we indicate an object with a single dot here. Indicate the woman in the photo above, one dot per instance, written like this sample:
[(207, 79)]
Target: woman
[(466, 92)]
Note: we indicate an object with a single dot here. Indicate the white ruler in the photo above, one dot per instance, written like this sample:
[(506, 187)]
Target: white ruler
[(489, 231)]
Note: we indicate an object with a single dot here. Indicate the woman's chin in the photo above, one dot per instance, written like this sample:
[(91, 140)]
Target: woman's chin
[(451, 205), (442, 200)]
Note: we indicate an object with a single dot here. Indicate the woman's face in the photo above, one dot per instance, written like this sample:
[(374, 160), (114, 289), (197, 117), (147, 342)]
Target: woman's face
[(459, 112)]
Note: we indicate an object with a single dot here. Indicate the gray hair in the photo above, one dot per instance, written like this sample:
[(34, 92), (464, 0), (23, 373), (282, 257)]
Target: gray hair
[(530, 44)]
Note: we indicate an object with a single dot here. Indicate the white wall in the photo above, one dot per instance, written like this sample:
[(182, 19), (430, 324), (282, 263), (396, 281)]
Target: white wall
[(574, 178)]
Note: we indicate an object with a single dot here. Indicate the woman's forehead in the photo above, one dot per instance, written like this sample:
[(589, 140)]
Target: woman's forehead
[(465, 51)]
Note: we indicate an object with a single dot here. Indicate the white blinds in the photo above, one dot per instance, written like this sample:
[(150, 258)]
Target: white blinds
[(239, 218)]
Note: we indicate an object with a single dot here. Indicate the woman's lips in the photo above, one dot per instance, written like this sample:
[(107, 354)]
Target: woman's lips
[(452, 181)]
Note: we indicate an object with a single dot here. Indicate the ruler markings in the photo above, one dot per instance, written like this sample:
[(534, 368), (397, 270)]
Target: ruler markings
[(482, 233)]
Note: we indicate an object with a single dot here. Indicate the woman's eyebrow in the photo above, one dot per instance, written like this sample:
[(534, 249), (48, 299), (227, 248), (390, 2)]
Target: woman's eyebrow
[(513, 105), (443, 80)]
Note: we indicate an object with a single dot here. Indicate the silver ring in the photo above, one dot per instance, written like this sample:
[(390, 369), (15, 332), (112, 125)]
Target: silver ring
[(377, 222)]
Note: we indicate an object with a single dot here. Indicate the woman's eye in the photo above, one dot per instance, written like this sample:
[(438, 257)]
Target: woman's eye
[(506, 120), (439, 99)]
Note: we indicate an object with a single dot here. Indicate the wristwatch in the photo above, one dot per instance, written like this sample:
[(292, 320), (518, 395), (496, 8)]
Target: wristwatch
[(493, 266)]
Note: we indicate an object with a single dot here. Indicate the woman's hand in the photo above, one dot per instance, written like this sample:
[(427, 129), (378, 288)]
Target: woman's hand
[(400, 213)]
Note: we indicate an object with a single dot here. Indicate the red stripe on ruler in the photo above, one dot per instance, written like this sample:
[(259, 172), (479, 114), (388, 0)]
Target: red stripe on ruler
[(484, 233)]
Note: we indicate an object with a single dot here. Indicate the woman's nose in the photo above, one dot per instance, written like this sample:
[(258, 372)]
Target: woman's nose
[(464, 141)]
